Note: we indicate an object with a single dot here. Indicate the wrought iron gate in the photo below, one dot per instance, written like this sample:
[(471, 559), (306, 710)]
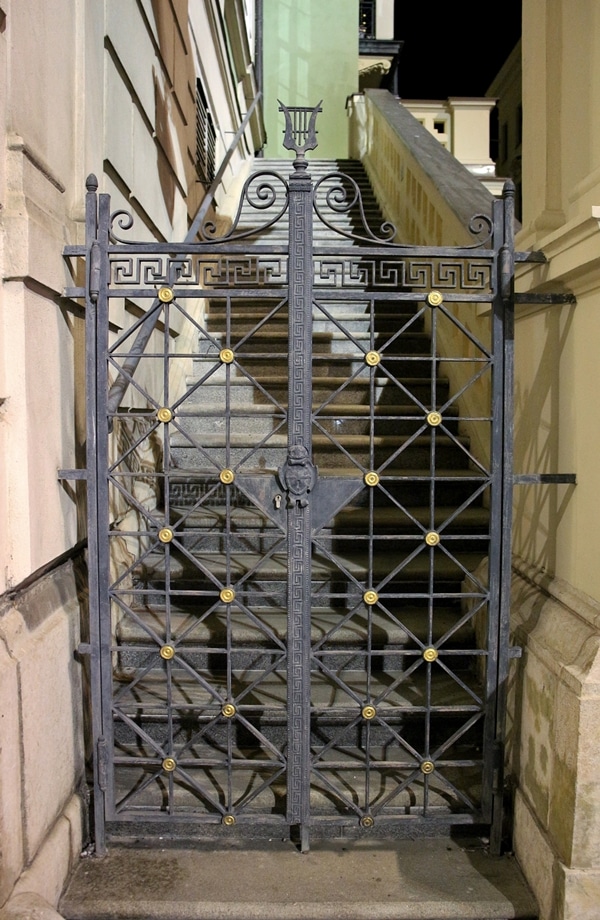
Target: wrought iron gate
[(291, 619)]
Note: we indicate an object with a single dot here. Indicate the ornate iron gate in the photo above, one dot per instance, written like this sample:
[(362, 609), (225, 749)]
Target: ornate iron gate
[(291, 619)]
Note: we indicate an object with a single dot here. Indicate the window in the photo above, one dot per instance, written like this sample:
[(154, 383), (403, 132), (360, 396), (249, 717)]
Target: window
[(205, 138), (366, 19)]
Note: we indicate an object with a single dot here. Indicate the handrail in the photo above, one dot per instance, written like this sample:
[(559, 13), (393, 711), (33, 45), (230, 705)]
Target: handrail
[(119, 387)]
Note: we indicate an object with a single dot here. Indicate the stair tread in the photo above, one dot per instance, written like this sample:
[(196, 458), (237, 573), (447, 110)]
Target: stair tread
[(390, 472), (229, 568), (257, 690), (189, 628), (381, 517), (333, 409), (269, 880)]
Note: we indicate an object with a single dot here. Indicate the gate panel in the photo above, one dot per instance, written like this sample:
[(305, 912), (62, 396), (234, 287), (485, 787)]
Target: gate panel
[(291, 622), (399, 695)]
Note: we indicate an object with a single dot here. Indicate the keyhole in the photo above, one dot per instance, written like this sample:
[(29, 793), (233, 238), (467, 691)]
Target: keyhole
[(277, 502)]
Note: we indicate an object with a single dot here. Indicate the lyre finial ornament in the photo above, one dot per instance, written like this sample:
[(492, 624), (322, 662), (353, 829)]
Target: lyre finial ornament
[(300, 133)]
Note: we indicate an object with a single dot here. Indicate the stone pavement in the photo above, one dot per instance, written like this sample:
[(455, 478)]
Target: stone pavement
[(430, 879)]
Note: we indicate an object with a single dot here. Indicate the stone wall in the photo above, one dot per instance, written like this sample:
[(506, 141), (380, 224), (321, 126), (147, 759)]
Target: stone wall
[(42, 782), (554, 694)]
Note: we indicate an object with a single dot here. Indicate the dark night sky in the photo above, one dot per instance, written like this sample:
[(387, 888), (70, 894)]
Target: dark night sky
[(453, 48)]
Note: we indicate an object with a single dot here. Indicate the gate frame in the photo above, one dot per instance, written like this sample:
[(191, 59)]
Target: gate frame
[(96, 252)]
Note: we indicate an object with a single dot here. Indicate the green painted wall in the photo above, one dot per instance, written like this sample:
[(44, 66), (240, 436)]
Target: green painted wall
[(310, 53)]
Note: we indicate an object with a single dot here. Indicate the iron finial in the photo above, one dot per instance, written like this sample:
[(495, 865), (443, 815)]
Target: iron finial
[(300, 133)]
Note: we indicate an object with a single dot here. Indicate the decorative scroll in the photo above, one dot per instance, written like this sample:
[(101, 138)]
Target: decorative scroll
[(340, 194), (263, 191), (404, 272), (266, 192), (198, 271)]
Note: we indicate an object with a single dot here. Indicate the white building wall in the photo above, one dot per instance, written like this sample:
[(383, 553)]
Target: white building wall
[(102, 86)]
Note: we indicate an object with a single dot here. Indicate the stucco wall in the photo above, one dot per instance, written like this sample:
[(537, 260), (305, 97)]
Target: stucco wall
[(85, 86)]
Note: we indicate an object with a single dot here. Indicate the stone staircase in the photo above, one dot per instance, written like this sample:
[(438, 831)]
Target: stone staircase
[(229, 536)]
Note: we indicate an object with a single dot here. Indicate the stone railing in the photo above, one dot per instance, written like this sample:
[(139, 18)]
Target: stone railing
[(423, 189), (431, 198)]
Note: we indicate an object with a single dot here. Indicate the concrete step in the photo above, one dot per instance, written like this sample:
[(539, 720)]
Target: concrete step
[(355, 520), (267, 385), (409, 486), (266, 626), (243, 443), (262, 581), (259, 693), (331, 342), (325, 363), (363, 879)]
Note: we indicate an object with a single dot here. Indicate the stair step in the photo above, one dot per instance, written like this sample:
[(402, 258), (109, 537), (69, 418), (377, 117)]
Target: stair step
[(415, 452), (409, 486), (257, 692), (188, 627), (334, 409), (365, 879), (257, 578), (352, 519), (324, 385)]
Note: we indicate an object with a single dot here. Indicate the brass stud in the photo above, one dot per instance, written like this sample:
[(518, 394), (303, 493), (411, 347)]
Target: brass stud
[(228, 820), (226, 355), (430, 654), (427, 767), (372, 358), (371, 479), (370, 597), (228, 710), (169, 764), (164, 415), (165, 294), (432, 538), (434, 298), (367, 821), (227, 595), (434, 419), (368, 712), (226, 477), (165, 535), (167, 652)]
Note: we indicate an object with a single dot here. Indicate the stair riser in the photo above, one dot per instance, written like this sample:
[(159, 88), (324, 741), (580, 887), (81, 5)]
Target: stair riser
[(260, 425), (325, 457), (244, 393), (263, 543), (214, 662), (186, 493), (272, 593), (274, 728), (326, 344), (244, 322)]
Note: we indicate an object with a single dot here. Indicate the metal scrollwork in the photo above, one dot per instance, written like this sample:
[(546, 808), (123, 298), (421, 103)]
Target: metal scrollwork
[(124, 221), (262, 191), (341, 194), (480, 223), (298, 476)]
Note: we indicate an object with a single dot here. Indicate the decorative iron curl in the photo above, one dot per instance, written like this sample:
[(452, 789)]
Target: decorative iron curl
[(341, 197), (259, 194), (124, 220), (480, 223)]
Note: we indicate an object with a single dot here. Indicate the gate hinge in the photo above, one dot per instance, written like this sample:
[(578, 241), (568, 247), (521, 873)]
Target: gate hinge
[(102, 761), (94, 279), (498, 768), (515, 651)]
